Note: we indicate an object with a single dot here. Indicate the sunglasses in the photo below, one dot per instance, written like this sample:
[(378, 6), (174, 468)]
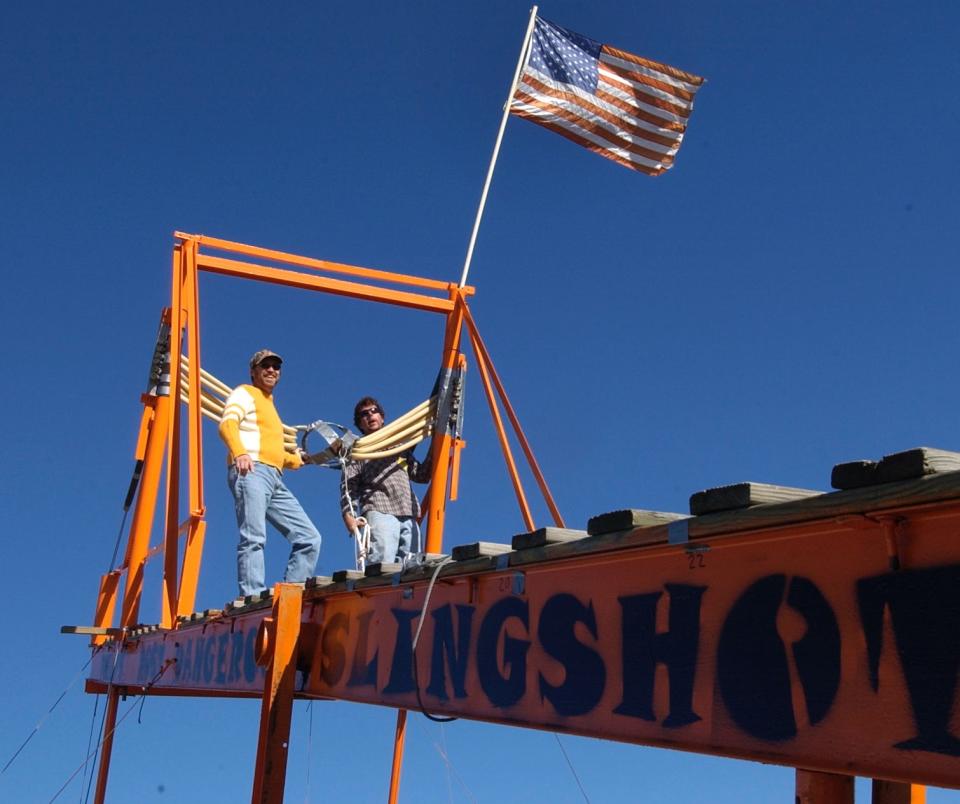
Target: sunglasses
[(363, 414), (272, 364)]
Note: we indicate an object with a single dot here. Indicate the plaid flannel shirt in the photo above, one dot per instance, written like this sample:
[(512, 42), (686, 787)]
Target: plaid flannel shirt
[(383, 485)]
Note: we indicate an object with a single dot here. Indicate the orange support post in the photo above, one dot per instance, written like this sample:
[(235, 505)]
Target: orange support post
[(109, 725), (106, 604), (442, 440), (398, 742), (139, 540), (171, 525), (277, 649), (484, 355), (814, 787), (898, 793), (502, 436), (196, 529)]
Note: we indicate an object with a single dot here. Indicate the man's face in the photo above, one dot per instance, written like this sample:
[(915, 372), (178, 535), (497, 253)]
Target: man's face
[(370, 418), (266, 374)]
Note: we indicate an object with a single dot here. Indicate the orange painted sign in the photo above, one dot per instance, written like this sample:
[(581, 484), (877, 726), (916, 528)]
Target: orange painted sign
[(217, 657), (798, 645)]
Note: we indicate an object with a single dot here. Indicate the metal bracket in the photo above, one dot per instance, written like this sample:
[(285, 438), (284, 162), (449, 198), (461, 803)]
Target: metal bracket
[(678, 531)]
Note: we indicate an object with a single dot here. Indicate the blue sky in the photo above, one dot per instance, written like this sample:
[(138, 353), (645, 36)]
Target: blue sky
[(783, 300)]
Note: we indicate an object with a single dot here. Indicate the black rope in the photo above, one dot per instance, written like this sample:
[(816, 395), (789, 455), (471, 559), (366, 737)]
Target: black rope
[(93, 722), (128, 500), (40, 722), (572, 769), (146, 688), (103, 718)]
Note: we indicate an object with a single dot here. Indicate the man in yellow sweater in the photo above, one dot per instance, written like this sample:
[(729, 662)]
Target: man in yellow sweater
[(252, 430)]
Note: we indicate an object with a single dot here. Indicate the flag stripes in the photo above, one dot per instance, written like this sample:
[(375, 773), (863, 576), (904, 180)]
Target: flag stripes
[(624, 107)]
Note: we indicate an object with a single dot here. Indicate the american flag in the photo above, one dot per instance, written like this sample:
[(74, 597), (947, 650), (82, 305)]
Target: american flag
[(624, 107)]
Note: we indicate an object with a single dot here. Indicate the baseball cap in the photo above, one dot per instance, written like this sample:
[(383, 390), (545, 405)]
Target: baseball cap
[(261, 355)]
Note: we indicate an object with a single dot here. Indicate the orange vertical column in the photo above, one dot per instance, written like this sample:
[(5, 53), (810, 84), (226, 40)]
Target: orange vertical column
[(139, 541), (171, 524), (196, 526), (110, 582), (109, 726), (502, 435), (814, 787), (443, 440), (277, 648), (398, 743)]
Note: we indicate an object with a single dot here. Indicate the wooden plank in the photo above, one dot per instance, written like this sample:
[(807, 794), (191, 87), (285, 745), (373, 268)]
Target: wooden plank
[(91, 630), (917, 463), (318, 580), (854, 475), (886, 498), (544, 536), (382, 568), (628, 519), (465, 552), (341, 575), (744, 495), (897, 466), (836, 505)]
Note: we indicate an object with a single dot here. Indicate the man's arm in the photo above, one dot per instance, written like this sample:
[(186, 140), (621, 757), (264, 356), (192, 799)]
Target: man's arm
[(420, 472), (293, 460), (229, 430)]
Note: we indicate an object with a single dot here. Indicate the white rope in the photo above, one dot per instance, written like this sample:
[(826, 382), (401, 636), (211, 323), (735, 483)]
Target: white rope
[(361, 536), (402, 434)]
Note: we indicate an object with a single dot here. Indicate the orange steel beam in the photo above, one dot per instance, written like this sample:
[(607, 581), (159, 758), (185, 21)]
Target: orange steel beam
[(442, 440), (322, 265), (149, 403), (193, 550), (106, 749), (172, 514), (110, 582), (478, 344), (195, 418), (278, 648), (106, 603), (823, 788), (398, 742), (501, 434), (139, 540), (338, 287), (190, 572)]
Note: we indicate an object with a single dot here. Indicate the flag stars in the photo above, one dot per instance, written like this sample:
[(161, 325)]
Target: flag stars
[(561, 60), (567, 57)]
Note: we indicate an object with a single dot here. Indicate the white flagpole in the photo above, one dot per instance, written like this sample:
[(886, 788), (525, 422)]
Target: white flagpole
[(496, 148)]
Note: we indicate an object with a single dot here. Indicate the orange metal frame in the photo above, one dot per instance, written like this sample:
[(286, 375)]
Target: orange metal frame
[(530, 604), (163, 422)]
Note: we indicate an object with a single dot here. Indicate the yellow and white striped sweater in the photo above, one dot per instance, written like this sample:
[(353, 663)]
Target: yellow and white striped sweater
[(251, 425)]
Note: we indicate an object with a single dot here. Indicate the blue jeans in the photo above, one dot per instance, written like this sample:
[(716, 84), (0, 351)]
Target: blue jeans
[(261, 497), (391, 537)]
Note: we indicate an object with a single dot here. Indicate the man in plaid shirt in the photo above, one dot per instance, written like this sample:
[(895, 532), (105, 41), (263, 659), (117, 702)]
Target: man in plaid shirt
[(380, 490)]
